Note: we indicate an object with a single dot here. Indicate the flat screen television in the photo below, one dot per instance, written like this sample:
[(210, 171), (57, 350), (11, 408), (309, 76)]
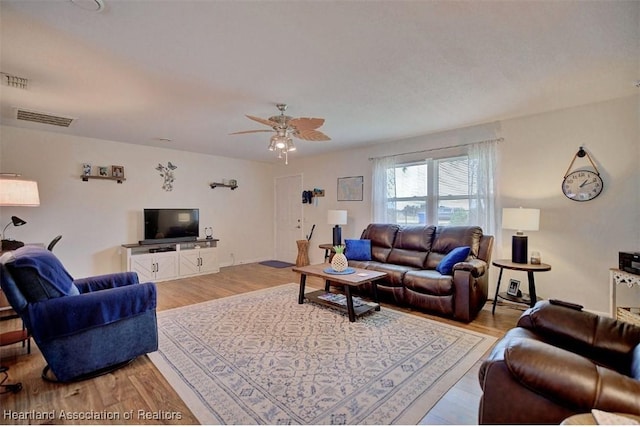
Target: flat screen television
[(170, 225)]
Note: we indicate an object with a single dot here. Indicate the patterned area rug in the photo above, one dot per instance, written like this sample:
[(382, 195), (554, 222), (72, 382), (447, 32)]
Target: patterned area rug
[(261, 358)]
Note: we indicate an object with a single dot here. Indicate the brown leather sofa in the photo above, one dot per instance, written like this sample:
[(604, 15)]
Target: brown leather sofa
[(558, 362), (410, 255)]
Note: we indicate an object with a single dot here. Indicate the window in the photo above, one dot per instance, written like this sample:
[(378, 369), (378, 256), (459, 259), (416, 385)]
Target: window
[(430, 191), (455, 187)]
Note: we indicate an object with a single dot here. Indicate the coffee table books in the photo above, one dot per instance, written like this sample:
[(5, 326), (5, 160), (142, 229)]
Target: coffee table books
[(342, 299), (339, 301)]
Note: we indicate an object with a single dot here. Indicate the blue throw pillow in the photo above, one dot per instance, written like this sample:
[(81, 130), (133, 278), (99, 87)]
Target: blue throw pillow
[(358, 250), (455, 256), (39, 274)]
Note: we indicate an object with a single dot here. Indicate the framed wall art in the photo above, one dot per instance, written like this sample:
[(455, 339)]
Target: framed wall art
[(117, 171), (350, 188)]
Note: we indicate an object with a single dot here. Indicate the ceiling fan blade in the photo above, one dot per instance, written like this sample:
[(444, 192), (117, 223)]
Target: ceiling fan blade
[(263, 121), (251, 131), (311, 135), (306, 123)]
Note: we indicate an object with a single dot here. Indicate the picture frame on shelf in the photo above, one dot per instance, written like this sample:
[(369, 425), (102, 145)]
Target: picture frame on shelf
[(514, 288), (117, 171), (86, 169), (103, 171)]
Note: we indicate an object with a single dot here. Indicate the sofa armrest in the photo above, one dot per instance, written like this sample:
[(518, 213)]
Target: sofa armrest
[(606, 340), (106, 281), (66, 316), (475, 266), (470, 288), (569, 379)]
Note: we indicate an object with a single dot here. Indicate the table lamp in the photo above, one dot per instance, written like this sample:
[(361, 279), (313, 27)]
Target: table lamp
[(337, 218), (10, 245), (521, 220)]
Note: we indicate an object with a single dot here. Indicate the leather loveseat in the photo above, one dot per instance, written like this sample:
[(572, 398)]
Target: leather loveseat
[(412, 256), (558, 362)]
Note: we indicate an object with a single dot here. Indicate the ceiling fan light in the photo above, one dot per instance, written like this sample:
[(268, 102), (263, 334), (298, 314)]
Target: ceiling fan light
[(280, 141), (290, 146)]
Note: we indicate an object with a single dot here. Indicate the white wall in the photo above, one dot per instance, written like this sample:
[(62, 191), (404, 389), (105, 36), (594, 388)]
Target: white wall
[(96, 217), (580, 241)]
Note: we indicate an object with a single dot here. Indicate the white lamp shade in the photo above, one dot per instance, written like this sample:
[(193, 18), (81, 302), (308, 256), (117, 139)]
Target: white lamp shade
[(337, 217), (18, 192), (521, 219)]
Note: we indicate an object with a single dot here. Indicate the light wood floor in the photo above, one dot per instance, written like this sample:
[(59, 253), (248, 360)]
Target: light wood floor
[(140, 387)]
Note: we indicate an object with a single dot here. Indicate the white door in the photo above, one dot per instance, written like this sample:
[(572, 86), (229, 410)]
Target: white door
[(289, 226)]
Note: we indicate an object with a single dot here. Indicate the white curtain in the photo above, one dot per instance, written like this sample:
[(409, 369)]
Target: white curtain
[(483, 178), (379, 189)]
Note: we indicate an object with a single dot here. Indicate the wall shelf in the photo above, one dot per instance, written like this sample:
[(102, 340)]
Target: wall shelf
[(86, 178), (219, 184)]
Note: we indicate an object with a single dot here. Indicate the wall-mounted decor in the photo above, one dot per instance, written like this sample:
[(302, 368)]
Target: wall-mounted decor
[(582, 185), (350, 188), (231, 183), (114, 173), (166, 172), (117, 171)]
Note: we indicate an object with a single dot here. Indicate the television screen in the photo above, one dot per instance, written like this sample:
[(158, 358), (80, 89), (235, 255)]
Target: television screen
[(166, 225)]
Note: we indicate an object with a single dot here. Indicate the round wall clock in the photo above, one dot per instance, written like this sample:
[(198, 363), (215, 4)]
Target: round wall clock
[(582, 185)]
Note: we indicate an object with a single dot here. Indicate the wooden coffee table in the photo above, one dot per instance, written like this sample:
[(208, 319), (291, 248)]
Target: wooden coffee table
[(358, 277)]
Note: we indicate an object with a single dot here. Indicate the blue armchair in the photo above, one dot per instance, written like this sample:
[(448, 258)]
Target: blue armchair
[(82, 327)]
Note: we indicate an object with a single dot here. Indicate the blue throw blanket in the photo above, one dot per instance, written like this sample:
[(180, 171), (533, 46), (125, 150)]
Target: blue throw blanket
[(50, 278)]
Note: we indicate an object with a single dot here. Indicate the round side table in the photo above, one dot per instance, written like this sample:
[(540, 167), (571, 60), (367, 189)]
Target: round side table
[(529, 299)]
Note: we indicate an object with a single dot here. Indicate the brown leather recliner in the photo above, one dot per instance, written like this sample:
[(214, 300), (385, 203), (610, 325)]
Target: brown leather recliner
[(561, 361)]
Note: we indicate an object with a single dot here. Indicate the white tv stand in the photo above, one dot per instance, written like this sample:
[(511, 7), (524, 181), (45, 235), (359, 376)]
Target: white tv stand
[(166, 261)]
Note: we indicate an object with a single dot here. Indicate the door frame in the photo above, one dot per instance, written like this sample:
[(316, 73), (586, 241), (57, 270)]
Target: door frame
[(297, 213)]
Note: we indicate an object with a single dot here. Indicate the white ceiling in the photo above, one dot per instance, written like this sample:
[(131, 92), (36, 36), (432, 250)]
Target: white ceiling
[(377, 71)]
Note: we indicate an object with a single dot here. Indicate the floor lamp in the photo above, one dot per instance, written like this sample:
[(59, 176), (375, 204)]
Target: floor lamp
[(521, 220)]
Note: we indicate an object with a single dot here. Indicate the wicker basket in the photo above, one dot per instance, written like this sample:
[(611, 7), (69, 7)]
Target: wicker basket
[(629, 315)]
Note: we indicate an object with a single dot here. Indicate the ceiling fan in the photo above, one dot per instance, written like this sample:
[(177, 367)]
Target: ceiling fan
[(287, 127)]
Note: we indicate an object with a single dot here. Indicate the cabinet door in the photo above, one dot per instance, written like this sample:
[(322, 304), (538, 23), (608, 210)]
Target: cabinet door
[(189, 262), (144, 265), (167, 266), (209, 261)]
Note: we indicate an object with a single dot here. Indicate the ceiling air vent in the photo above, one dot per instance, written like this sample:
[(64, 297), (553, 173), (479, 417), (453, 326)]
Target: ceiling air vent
[(44, 118)]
